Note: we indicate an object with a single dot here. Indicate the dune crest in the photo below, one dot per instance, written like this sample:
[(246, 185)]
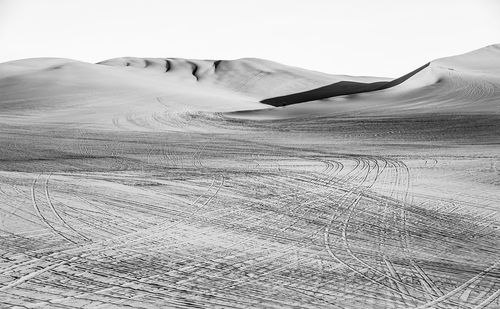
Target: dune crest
[(50, 89), (463, 84), (62, 90), (254, 77)]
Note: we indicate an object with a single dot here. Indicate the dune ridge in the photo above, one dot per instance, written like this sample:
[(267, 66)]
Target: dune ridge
[(338, 89), (462, 84), (254, 77), (51, 90)]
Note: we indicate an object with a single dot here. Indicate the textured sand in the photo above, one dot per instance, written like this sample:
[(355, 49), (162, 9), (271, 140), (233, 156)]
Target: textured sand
[(140, 183)]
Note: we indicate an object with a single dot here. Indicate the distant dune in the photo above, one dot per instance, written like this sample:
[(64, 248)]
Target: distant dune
[(463, 84), (257, 78), (62, 90)]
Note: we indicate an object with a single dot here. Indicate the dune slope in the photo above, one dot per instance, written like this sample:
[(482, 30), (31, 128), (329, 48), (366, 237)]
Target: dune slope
[(463, 84), (62, 90), (139, 91), (338, 89), (257, 78)]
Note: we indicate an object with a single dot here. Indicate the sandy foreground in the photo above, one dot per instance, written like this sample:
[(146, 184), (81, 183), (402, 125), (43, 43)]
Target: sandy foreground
[(166, 183)]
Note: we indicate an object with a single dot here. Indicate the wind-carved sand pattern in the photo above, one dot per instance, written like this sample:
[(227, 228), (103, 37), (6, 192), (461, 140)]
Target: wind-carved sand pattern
[(167, 195)]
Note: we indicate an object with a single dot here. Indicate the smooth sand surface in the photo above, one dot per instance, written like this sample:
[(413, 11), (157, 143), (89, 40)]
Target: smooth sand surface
[(257, 78), (468, 84), (61, 90), (141, 183)]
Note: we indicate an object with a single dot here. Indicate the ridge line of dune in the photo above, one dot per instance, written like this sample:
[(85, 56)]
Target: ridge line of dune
[(338, 89)]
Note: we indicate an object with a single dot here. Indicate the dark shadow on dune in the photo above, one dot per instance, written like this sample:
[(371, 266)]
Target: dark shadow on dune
[(216, 65), (194, 70), (337, 89), (168, 65)]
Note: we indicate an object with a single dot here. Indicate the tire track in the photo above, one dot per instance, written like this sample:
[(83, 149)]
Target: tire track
[(40, 215), (54, 211)]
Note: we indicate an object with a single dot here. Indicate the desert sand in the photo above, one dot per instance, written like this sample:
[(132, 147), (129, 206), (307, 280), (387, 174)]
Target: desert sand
[(178, 183)]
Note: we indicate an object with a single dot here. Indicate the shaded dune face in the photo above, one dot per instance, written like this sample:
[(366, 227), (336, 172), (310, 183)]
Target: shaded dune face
[(338, 89), (471, 76), (463, 84), (190, 70)]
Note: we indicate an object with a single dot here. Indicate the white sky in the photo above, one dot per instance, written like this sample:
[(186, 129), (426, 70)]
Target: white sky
[(357, 37)]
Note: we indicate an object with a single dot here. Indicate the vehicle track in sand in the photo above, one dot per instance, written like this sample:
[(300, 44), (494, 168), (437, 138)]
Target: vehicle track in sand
[(42, 217), (215, 220)]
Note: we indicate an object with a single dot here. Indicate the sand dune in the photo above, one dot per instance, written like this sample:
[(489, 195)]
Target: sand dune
[(467, 83), (61, 90), (40, 88), (140, 183), (49, 90), (257, 78), (338, 89)]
